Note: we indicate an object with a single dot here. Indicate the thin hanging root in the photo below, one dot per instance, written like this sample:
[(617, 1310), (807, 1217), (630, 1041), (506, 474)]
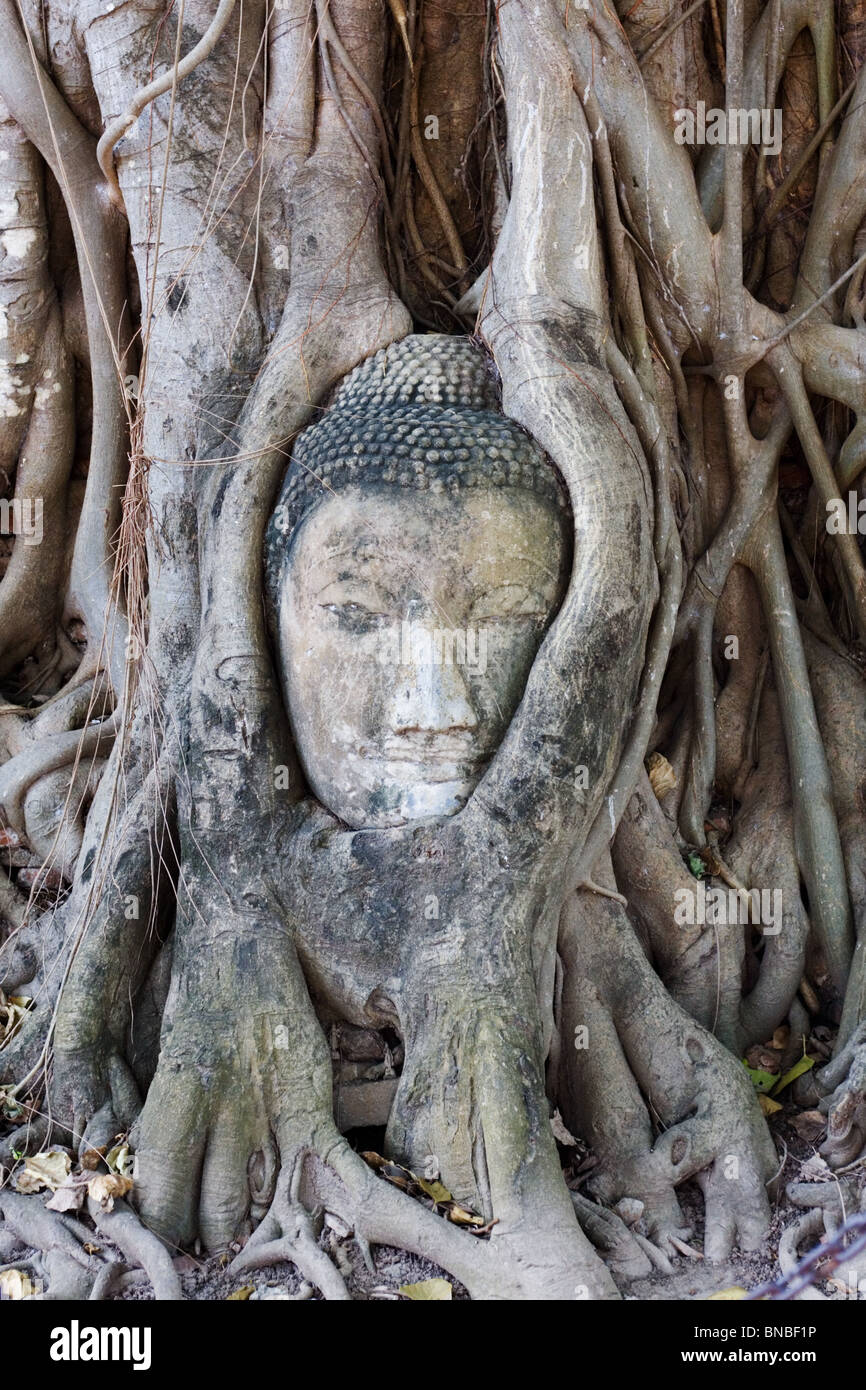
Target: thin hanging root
[(398, 10), (791, 384), (145, 95), (428, 178), (819, 850), (100, 244), (296, 1240), (139, 1246)]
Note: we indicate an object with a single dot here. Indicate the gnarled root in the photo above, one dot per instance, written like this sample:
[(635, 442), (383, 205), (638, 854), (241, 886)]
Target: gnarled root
[(637, 1055)]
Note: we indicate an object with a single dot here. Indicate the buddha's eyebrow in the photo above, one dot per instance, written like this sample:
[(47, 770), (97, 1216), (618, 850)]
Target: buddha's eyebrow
[(546, 569), (362, 551), (373, 585)]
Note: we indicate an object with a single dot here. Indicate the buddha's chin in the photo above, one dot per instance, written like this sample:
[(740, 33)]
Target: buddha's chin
[(391, 803)]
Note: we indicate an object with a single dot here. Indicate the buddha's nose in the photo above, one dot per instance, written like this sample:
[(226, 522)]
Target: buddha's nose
[(430, 693)]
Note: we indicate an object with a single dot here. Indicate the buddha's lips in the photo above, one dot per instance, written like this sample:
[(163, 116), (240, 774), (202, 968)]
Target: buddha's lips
[(446, 759)]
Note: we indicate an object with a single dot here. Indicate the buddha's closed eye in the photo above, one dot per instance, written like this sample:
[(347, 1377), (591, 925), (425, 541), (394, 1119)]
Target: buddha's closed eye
[(355, 617)]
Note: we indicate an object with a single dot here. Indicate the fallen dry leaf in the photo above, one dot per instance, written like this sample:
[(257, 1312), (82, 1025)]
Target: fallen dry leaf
[(120, 1160), (815, 1169), (630, 1210), (240, 1295), (92, 1159), (768, 1105), (13, 1007), (810, 1125), (106, 1186), (662, 777), (70, 1196), (760, 1058), (427, 1291), (560, 1133), (49, 1169)]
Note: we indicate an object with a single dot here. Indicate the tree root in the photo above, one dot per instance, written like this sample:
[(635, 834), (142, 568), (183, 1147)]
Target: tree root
[(287, 1233), (808, 1226), (139, 1246), (635, 1055), (69, 1271)]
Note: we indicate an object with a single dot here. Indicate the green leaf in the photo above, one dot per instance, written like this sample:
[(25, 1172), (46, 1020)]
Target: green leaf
[(763, 1081), (798, 1069), (697, 865)]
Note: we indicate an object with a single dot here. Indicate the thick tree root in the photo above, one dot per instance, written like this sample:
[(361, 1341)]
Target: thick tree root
[(63, 1264), (640, 1063), (139, 1246)]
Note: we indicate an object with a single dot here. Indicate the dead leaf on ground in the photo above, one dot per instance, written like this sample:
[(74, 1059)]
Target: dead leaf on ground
[(810, 1125), (662, 777), (815, 1169), (120, 1160), (759, 1058), (70, 1195), (432, 1187), (106, 1186), (10, 1107), (730, 1293), (13, 1008), (92, 1159), (768, 1105), (49, 1169), (241, 1295), (416, 1186), (428, 1291)]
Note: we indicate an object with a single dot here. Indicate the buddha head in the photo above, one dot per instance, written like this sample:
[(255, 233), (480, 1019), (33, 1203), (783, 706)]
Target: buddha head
[(419, 551)]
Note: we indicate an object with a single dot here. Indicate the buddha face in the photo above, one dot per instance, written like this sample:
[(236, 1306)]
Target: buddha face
[(407, 625)]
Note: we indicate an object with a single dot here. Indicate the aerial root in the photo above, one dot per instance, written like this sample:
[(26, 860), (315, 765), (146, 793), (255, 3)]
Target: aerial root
[(145, 95)]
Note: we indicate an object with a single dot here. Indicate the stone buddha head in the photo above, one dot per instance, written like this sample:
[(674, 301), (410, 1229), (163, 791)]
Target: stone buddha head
[(419, 550)]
